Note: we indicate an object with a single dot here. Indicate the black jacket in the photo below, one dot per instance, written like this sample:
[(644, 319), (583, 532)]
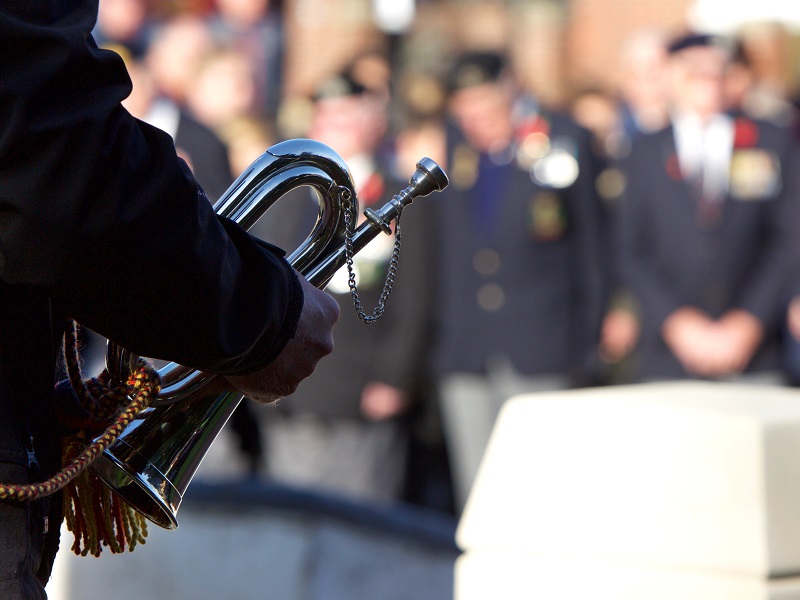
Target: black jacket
[(100, 221)]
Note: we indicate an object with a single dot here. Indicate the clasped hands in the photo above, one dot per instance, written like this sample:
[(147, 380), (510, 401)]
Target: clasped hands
[(709, 347)]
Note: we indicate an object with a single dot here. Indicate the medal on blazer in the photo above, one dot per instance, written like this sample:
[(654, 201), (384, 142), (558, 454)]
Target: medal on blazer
[(558, 168), (533, 141), (755, 174), (610, 184), (464, 171), (547, 216)]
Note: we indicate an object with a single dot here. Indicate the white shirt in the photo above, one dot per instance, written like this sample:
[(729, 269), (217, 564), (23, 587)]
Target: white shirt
[(705, 147)]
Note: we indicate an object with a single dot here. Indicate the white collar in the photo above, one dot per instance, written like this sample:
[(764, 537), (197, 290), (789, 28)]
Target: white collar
[(705, 145)]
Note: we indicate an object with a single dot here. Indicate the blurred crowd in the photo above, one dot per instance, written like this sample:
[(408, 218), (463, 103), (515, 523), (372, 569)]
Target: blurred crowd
[(641, 232)]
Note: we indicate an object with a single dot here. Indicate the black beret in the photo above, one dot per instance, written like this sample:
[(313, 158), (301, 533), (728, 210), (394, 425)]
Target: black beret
[(338, 86), (476, 68), (695, 40)]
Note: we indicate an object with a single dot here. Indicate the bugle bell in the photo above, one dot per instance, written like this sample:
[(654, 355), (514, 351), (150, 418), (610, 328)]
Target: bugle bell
[(152, 462)]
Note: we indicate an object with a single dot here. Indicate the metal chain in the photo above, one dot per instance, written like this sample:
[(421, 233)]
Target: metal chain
[(346, 198)]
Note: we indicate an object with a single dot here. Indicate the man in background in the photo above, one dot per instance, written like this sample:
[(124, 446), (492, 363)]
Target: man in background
[(345, 430), (705, 228), (519, 290)]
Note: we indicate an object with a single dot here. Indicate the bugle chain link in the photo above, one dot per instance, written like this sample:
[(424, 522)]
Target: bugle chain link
[(346, 199)]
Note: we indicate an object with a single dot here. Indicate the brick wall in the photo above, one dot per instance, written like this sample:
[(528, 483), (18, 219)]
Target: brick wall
[(597, 28), (557, 45), (322, 36)]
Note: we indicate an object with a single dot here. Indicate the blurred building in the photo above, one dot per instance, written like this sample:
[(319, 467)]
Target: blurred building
[(559, 45)]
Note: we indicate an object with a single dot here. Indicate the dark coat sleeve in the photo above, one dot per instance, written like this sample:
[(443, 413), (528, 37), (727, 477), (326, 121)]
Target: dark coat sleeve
[(96, 208)]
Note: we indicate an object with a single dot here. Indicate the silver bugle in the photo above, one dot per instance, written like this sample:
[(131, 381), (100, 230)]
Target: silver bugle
[(154, 459)]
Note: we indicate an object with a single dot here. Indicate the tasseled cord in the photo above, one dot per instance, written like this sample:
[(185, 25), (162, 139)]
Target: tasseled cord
[(94, 514)]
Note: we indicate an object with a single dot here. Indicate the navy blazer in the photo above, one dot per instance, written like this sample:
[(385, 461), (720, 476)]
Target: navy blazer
[(519, 275), (669, 256)]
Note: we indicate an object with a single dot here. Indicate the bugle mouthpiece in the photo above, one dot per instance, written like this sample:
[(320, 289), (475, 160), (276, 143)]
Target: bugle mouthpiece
[(428, 178)]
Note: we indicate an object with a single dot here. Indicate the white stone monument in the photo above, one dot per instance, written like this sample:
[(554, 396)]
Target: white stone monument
[(675, 491)]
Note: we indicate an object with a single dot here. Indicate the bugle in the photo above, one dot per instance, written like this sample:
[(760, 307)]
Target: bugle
[(152, 462)]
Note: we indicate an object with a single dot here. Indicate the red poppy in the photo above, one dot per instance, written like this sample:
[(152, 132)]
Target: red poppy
[(533, 125), (745, 133), (372, 190), (674, 167)]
